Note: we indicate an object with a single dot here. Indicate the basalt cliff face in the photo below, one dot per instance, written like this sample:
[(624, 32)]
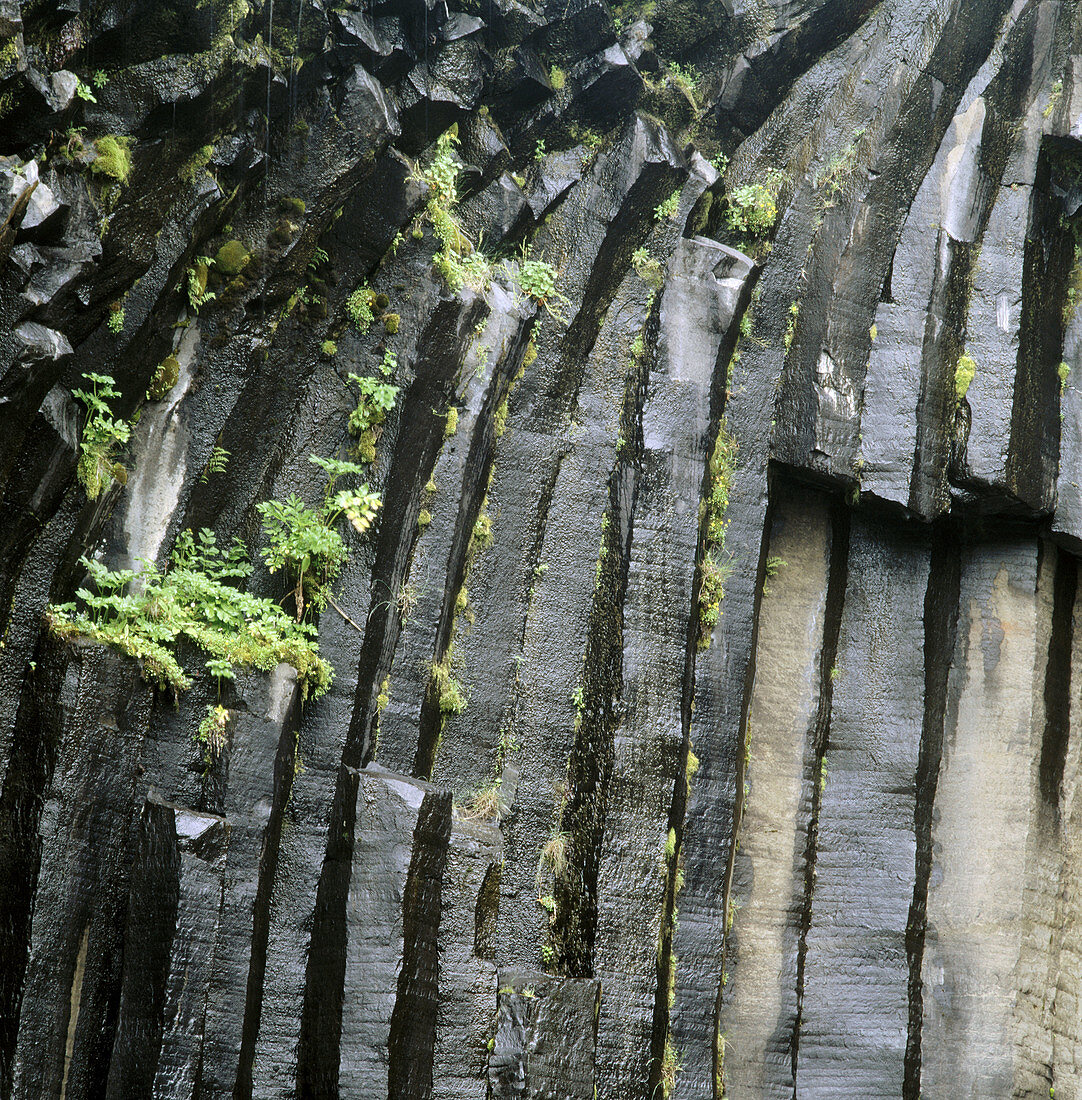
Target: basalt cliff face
[(704, 717)]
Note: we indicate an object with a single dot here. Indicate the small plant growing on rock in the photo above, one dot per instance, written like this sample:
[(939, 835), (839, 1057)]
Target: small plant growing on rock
[(196, 601), (752, 210), (102, 435), (458, 261), (713, 570), (195, 284), (216, 464), (165, 378), (304, 541), (329, 348), (450, 696), (667, 209), (232, 258), (212, 731), (647, 268), (555, 851), (359, 307), (116, 318), (377, 398)]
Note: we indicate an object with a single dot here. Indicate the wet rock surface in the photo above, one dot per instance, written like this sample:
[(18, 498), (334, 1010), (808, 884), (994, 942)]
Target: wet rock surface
[(704, 708)]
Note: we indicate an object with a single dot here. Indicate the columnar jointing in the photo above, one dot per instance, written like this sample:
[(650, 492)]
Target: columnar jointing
[(702, 719)]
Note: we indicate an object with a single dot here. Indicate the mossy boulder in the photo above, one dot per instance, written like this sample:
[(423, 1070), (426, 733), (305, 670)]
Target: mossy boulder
[(232, 258)]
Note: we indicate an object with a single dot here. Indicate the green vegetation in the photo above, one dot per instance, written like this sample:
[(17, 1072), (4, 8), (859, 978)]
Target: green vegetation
[(216, 464), (448, 691), (555, 851), (537, 280), (539, 150), (667, 208), (211, 733), (752, 210), (304, 541), (964, 373), (647, 268), (113, 157), (195, 164), (195, 601), (377, 398), (116, 318), (359, 306), (773, 564), (232, 258), (391, 321), (329, 348), (713, 570), (102, 435), (790, 327), (195, 284), (1063, 371), (451, 425), (670, 1067), (165, 378), (485, 803), (458, 262), (557, 78)]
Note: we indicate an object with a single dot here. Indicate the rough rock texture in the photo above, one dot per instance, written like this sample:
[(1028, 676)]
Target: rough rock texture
[(563, 826)]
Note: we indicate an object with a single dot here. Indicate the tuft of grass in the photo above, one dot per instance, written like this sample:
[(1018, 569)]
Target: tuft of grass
[(554, 852)]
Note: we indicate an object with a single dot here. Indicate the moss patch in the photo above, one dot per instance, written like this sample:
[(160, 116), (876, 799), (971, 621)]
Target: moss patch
[(232, 258), (963, 375), (113, 157)]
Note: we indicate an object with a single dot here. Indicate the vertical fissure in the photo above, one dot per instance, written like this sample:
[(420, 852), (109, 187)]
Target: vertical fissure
[(475, 481), (415, 453), (412, 1038), (819, 740), (940, 632), (284, 774), (1057, 683), (574, 929)]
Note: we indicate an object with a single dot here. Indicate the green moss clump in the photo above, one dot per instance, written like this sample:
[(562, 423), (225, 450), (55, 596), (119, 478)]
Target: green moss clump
[(424, 519), (963, 375), (165, 378), (449, 693), (714, 569), (195, 164), (113, 157), (382, 301), (557, 78), (451, 425), (329, 348), (232, 258), (289, 205), (391, 322), (366, 445), (530, 354)]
